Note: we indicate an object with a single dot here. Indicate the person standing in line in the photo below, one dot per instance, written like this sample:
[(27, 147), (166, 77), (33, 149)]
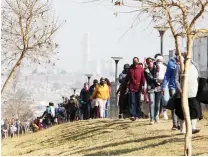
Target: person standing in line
[(101, 94), (136, 82), (194, 105), (159, 77), (123, 97), (170, 80), (94, 109), (154, 96), (85, 101)]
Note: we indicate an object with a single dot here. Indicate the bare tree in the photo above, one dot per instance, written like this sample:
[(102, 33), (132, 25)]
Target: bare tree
[(27, 34), (18, 106), (183, 17)]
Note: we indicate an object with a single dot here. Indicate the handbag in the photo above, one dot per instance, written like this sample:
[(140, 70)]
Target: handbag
[(170, 104), (202, 94)]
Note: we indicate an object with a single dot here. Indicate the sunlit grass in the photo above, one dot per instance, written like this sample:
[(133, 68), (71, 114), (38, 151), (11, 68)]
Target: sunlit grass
[(107, 137)]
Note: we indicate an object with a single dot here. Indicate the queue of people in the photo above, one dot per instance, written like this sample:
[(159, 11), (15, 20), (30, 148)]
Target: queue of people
[(149, 81)]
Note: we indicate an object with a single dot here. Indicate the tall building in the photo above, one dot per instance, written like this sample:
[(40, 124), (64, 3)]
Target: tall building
[(86, 49)]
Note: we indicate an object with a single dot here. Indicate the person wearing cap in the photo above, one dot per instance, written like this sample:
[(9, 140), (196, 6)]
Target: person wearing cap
[(136, 81), (100, 94), (160, 68), (123, 97)]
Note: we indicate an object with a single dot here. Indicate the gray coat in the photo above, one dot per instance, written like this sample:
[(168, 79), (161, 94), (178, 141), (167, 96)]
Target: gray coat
[(192, 80)]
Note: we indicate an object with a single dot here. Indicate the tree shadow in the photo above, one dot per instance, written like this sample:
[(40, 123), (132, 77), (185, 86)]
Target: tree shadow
[(121, 143), (125, 151)]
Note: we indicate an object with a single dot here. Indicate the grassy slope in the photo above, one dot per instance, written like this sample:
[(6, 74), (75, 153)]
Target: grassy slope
[(107, 137)]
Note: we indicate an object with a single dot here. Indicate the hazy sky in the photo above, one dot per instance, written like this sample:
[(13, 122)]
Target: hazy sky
[(106, 31)]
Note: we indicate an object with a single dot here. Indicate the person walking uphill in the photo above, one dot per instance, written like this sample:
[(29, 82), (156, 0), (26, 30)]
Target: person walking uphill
[(154, 95), (194, 105), (85, 101), (136, 82), (170, 79), (94, 109), (123, 97), (101, 94)]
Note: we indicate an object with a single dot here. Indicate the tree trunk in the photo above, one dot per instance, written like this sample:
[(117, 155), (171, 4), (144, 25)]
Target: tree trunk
[(12, 71), (184, 99)]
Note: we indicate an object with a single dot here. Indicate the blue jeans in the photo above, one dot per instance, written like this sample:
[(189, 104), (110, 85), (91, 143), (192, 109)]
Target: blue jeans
[(135, 104), (154, 106), (174, 116)]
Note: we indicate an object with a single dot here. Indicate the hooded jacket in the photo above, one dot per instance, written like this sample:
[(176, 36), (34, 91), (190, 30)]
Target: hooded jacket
[(85, 95), (136, 78), (170, 75)]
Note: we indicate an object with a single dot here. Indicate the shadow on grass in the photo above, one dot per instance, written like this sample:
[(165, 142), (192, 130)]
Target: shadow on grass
[(171, 140), (123, 143), (81, 135), (125, 151)]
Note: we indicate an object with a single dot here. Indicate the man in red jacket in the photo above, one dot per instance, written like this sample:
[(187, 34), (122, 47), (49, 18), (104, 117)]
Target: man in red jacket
[(136, 82)]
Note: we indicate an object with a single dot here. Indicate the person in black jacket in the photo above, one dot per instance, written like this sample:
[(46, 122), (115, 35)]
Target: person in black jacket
[(91, 90), (123, 97), (85, 101)]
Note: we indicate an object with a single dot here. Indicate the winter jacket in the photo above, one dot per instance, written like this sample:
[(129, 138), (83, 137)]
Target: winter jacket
[(122, 77), (150, 81), (92, 88), (192, 80), (85, 95), (170, 75), (101, 92), (136, 78)]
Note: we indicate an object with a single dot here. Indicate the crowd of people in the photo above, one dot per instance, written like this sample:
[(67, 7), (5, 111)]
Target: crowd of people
[(149, 81), (142, 93), (13, 127)]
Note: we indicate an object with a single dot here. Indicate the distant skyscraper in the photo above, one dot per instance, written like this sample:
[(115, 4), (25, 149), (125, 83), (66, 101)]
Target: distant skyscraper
[(86, 51)]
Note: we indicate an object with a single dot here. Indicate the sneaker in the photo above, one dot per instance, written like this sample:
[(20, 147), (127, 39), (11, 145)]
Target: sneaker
[(132, 118), (157, 120), (175, 127), (179, 127), (195, 131)]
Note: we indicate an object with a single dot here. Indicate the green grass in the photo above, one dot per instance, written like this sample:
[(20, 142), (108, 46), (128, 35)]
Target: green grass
[(107, 137)]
